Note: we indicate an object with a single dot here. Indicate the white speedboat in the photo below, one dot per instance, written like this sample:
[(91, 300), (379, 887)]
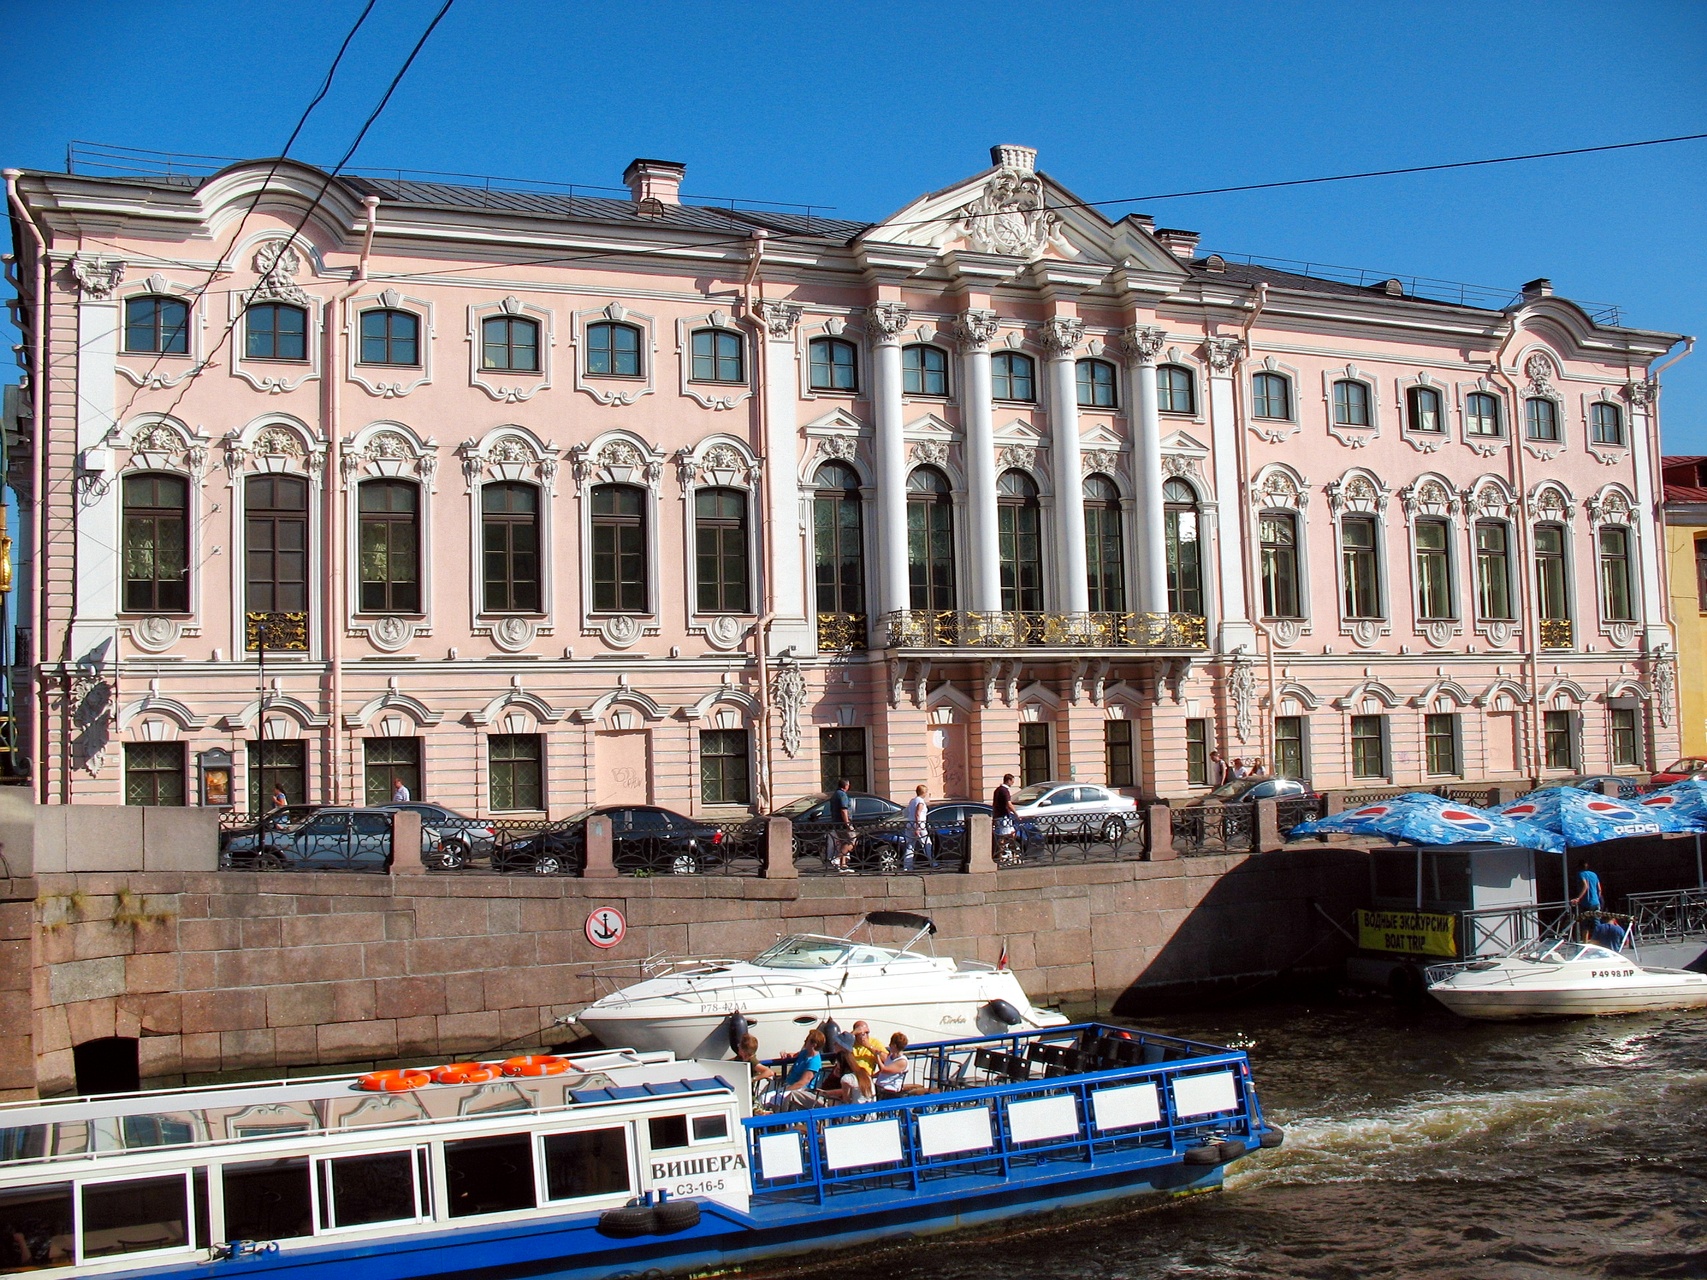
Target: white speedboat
[(701, 1010), (1554, 977)]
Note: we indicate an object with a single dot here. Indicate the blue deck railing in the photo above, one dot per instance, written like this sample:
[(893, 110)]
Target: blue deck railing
[(1012, 1104)]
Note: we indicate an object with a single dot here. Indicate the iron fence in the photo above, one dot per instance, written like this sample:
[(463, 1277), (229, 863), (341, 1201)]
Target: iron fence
[(1102, 837), (882, 848), (1354, 799), (1668, 917), (1291, 810), (306, 838), (1476, 797), (1205, 829)]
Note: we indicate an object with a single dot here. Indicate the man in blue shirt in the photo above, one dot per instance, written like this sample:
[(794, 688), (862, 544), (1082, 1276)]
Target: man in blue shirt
[(841, 825), (1606, 932), (1588, 896)]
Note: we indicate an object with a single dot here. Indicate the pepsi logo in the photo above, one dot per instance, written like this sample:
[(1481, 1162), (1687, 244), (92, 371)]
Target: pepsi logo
[(1522, 810), (1373, 811)]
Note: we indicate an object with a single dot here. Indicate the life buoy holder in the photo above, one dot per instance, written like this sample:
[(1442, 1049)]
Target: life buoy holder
[(537, 1064), (395, 1081), (466, 1073)]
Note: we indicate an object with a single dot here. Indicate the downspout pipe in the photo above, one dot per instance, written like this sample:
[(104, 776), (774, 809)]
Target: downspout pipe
[(38, 470), (754, 283)]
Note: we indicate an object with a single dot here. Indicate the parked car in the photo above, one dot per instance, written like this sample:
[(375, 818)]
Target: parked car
[(326, 837), (812, 823), (643, 838), (453, 838), (1678, 770), (1099, 809), (945, 820), (1628, 788), (1249, 790)]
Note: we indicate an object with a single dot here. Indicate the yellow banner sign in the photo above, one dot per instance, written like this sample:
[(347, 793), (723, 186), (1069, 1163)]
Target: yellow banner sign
[(1411, 933)]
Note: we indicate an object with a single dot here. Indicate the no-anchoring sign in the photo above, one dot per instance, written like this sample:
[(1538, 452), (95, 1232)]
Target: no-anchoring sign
[(606, 927)]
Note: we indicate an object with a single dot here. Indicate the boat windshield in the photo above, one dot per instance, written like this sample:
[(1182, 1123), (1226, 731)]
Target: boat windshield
[(1563, 951), (803, 951)]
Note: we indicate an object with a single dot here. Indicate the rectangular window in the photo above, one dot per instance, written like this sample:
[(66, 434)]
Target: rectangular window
[(1493, 570), (1440, 734), (489, 1175), (1351, 404), (1434, 571), (1280, 565), (156, 542), (1615, 573), (1626, 740), (1701, 575), (1550, 572), (1422, 410), (1117, 744), (593, 1163), (1368, 747), (510, 547), (38, 1223), (1358, 565), (358, 1190), (1542, 418), (841, 754), (154, 773), (1481, 415), (385, 763), (1289, 747), (720, 549), (277, 765), (1197, 752), (390, 540), (718, 356), (268, 1199), (516, 771), (1035, 764), (619, 549), (1558, 737), (723, 774), (1608, 423), (137, 1215)]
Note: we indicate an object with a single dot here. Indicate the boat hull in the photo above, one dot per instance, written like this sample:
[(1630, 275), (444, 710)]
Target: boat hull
[(1488, 1003)]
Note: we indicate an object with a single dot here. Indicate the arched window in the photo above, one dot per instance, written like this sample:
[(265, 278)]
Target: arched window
[(390, 517), (276, 550), (720, 550), (1184, 538), (1019, 537), (1013, 376), (509, 344), (1271, 396), (1280, 595), (391, 337), (273, 331), (924, 370), (613, 350), (1176, 389), (510, 545), (1423, 411), (157, 325), (619, 549), (1105, 547), (1481, 414), (1351, 403), (719, 356), (1096, 384), (930, 541), (1541, 418), (838, 540), (1607, 423), (832, 364), (156, 544)]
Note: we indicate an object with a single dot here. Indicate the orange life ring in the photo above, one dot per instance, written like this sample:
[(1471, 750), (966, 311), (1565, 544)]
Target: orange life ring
[(398, 1081), (465, 1073), (537, 1064)]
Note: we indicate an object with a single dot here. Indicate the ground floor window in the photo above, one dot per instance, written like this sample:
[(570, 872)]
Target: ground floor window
[(517, 771), (385, 763), (1626, 740), (1558, 739), (841, 754), (1117, 744), (1440, 734), (1368, 747), (277, 767), (723, 773), (1035, 764), (1197, 752), (1289, 747), (154, 773)]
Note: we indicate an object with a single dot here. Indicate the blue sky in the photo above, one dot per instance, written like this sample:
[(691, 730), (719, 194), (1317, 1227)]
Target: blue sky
[(863, 106)]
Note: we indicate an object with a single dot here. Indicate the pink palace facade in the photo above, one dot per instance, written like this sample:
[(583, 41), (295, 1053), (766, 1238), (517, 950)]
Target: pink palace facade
[(536, 501)]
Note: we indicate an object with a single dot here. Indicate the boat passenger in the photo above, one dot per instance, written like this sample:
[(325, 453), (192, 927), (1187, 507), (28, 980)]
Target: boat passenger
[(800, 1075), (892, 1075), (749, 1053), (868, 1050), (849, 1082), (1605, 931)]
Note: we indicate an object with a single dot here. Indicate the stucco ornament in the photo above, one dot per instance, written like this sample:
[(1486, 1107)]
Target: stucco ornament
[(1099, 460), (1539, 370), (1018, 455), (780, 318), (789, 691), (155, 633), (724, 632), (277, 264), (1642, 392), (839, 448), (1664, 672), (1223, 353), (390, 633), (1242, 686), (1141, 344), (1062, 336), (621, 631), (975, 329), (513, 634), (97, 276), (884, 322), (276, 442), (930, 453), (1010, 218), (158, 438)]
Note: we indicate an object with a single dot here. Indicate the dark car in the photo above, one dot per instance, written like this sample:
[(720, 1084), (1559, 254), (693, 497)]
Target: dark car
[(643, 838), (1628, 788), (450, 838), (812, 823), (945, 821), (357, 839), (1247, 790)]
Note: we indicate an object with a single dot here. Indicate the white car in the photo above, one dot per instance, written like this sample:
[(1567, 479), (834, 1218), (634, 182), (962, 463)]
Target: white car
[(1060, 808)]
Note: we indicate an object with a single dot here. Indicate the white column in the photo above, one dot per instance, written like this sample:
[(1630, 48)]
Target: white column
[(1236, 629), (1141, 347), (975, 328), (1061, 338), (792, 625), (1650, 536), (883, 325), (98, 489)]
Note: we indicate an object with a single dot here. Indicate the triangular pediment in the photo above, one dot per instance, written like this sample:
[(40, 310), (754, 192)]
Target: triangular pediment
[(1180, 442), (1101, 436), (1018, 431), (929, 426), (836, 422)]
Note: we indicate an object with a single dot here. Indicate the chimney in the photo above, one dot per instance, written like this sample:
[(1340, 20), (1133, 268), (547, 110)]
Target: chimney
[(1008, 155), (659, 180), (1542, 288), (1182, 244)]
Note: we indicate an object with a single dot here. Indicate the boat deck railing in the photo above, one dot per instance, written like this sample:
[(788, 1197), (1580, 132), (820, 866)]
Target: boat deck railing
[(997, 1104)]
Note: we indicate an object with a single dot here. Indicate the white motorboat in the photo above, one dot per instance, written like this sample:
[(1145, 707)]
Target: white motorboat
[(1555, 977), (701, 1010)]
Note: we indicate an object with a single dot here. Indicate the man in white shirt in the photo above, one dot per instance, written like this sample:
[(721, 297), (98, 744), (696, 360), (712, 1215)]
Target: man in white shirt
[(399, 792), (918, 830)]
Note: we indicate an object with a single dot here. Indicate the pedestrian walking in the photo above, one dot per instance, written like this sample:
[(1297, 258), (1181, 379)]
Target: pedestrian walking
[(399, 791), (1217, 770), (841, 839), (1002, 821), (280, 800), (1588, 896), (918, 830), (1238, 770)]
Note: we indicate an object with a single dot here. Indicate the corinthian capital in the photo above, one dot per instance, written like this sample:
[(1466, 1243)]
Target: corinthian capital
[(884, 322), (96, 276), (1642, 392), (974, 329), (1223, 353), (779, 318), (1062, 336), (1141, 344)]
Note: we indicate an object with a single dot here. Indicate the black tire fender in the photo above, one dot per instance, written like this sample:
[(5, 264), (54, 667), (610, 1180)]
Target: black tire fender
[(1004, 1013), (1232, 1150), (1273, 1137), (1210, 1154), (675, 1215), (629, 1221)]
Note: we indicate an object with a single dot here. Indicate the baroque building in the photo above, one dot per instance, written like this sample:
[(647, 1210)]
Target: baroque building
[(535, 500)]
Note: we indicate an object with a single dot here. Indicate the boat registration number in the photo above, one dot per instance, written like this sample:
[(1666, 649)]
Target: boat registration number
[(704, 1188), (1613, 973)]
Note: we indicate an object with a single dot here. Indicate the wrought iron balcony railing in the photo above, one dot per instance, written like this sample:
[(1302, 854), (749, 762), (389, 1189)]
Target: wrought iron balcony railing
[(841, 632), (1556, 633), (278, 632), (951, 629)]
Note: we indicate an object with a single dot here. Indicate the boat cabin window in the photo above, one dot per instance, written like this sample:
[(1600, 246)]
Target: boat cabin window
[(593, 1162), (490, 1175), (35, 1227), (803, 952), (712, 1128), (380, 1187), (664, 1132), (138, 1215), (1562, 950), (268, 1200)]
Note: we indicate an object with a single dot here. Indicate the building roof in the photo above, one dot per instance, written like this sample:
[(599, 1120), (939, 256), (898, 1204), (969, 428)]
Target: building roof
[(1684, 477)]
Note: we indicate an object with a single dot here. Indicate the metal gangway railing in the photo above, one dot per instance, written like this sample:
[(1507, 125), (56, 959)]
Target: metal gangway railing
[(1494, 931), (1670, 916)]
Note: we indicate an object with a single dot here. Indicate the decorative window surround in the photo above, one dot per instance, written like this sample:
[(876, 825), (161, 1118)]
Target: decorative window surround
[(277, 264), (1360, 492), (1278, 487), (943, 339), (509, 386), (391, 706), (1430, 497), (721, 462), (1484, 446), (160, 444), (1423, 441), (1541, 368), (1490, 498), (838, 436), (1353, 437), (510, 453), (1199, 385), (619, 457), (711, 395), (1610, 455), (387, 381), (1615, 505), (277, 444), (1272, 430), (614, 389), (832, 327), (160, 372), (383, 451), (932, 442)]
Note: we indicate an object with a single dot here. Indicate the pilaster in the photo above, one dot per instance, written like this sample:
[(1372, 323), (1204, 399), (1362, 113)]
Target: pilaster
[(1225, 355), (792, 626), (883, 325)]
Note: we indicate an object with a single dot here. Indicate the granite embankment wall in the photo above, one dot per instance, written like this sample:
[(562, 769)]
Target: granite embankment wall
[(219, 972)]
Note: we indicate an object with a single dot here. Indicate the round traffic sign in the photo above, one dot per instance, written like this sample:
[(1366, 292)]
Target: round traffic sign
[(605, 927)]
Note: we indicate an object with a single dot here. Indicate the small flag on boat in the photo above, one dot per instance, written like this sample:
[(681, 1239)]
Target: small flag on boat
[(1002, 960)]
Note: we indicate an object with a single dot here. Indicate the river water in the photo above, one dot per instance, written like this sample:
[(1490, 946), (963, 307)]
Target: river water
[(1417, 1145)]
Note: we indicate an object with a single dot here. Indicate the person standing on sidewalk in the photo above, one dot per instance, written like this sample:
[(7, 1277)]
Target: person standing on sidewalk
[(841, 825), (1002, 822), (918, 830)]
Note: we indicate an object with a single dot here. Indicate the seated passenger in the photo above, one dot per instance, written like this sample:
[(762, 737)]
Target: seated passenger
[(749, 1053), (1605, 931), (868, 1051), (800, 1075), (892, 1075)]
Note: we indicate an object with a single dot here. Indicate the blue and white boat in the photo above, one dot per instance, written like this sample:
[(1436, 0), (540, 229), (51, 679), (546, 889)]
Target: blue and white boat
[(619, 1163)]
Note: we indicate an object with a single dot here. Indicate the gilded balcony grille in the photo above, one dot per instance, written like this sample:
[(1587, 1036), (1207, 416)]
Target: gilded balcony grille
[(960, 629), (277, 632), (841, 632), (1556, 633)]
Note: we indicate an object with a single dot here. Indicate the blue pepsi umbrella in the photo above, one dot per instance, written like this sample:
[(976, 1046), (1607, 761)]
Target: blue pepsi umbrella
[(1420, 818), (1582, 817), (1688, 799)]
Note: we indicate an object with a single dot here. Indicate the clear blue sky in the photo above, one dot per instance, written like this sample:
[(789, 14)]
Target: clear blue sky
[(863, 106)]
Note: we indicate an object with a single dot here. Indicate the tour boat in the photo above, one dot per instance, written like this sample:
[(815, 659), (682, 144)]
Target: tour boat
[(615, 1163), (700, 1010), (1555, 977)]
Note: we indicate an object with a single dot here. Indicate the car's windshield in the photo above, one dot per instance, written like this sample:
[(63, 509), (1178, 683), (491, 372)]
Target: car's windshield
[(1233, 790), (799, 806), (802, 951), (1032, 794), (1687, 765)]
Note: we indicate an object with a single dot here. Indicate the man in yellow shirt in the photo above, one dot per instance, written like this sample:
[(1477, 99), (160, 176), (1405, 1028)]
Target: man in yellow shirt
[(868, 1053)]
